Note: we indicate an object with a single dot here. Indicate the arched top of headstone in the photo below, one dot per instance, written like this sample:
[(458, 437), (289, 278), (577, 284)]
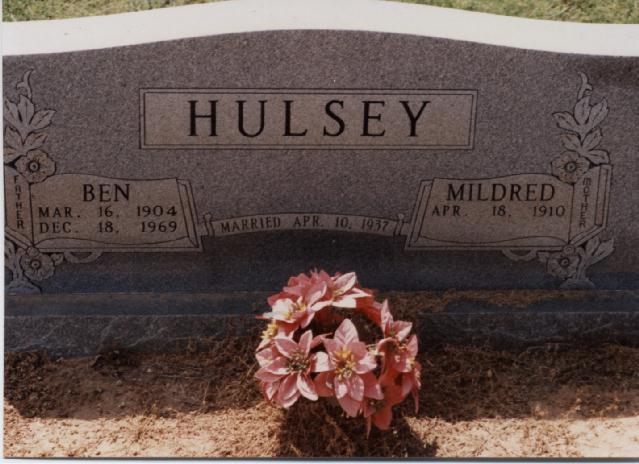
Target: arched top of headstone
[(55, 36)]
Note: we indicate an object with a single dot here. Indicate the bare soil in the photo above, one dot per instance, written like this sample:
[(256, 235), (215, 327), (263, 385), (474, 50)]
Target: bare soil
[(547, 401)]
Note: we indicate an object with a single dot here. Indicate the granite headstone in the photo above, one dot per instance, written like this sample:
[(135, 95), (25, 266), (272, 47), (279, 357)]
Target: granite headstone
[(188, 176)]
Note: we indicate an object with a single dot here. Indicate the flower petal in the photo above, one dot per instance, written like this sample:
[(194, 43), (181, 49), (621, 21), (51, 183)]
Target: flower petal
[(360, 293), (321, 362), (393, 394), (282, 310), (315, 307), (306, 318), (266, 376), (324, 383), (383, 417), (318, 340), (270, 389), (290, 401), (407, 384), (345, 302), (358, 349), (349, 405), (355, 387), (278, 296), (412, 345), (288, 389), (387, 379), (341, 389), (345, 282), (316, 293), (370, 311), (266, 356), (402, 329), (372, 388), (401, 362), (305, 342), (297, 285), (306, 387), (331, 345), (263, 343), (323, 275), (346, 332), (286, 346), (279, 366), (366, 364), (381, 345), (368, 408), (387, 317)]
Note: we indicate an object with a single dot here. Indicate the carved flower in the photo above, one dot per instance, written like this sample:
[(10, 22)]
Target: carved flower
[(565, 263), (36, 265), (569, 167), (35, 166)]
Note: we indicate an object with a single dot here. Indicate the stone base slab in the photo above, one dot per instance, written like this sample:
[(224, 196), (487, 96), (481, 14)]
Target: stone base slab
[(174, 322)]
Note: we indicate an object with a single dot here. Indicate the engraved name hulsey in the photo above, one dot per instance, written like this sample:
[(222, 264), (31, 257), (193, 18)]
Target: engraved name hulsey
[(271, 119)]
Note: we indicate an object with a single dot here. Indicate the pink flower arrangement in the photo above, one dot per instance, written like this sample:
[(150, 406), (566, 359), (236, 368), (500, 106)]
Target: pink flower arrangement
[(366, 378)]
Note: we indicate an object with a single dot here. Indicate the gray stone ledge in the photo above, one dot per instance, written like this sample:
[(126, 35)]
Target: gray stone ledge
[(89, 335), (238, 303)]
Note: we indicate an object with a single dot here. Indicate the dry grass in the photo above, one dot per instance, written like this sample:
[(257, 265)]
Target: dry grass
[(588, 11), (475, 402), (609, 11), (28, 10)]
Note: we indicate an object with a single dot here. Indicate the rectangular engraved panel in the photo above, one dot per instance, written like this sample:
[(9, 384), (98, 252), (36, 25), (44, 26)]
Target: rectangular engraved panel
[(519, 211), (81, 212), (307, 119)]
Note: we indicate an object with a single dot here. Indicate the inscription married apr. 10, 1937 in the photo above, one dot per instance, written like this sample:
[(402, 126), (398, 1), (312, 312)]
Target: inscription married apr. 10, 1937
[(555, 217)]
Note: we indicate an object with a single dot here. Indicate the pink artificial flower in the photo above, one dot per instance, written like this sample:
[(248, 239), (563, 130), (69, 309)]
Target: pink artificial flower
[(396, 329), (265, 358), (412, 382), (399, 354), (273, 329), (403, 369), (278, 296), (347, 370), (395, 332), (349, 375), (402, 356), (380, 412), (286, 366), (370, 309), (297, 286), (300, 285), (299, 312), (343, 291)]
